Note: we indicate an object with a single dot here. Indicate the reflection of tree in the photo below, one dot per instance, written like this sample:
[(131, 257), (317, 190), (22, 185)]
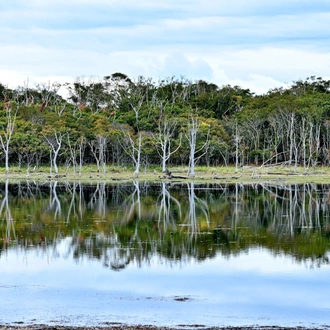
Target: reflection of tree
[(5, 212), (166, 213), (54, 202), (107, 249), (139, 221), (132, 214), (98, 200), (77, 205), (295, 207), (285, 219), (132, 204), (196, 204)]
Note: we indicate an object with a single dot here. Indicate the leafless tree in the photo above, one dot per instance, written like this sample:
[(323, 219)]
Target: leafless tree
[(166, 129), (133, 148), (98, 149), (55, 142), (77, 149), (7, 129), (193, 128)]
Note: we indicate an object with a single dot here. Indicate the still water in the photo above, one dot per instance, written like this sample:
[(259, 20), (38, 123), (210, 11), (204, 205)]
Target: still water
[(165, 254)]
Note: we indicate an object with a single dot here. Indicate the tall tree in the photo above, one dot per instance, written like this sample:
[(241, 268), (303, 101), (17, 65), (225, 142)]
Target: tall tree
[(166, 130), (7, 126), (195, 152), (55, 140)]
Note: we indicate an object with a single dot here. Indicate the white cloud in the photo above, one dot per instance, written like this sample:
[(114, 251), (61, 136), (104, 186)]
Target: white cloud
[(259, 43), (178, 63), (258, 69)]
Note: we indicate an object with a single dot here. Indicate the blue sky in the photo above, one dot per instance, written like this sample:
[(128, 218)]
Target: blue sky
[(255, 44)]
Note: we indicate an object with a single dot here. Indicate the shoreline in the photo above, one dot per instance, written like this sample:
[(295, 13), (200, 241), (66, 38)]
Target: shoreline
[(120, 326), (212, 175)]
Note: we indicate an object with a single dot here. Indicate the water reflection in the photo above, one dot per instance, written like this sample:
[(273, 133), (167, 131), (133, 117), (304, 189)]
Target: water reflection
[(9, 228), (124, 223)]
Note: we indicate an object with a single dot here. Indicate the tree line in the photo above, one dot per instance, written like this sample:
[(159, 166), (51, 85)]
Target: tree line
[(173, 122)]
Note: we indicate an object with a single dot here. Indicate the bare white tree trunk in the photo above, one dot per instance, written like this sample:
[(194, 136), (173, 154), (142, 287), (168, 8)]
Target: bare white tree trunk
[(193, 128), (326, 143), (77, 152), (166, 129), (134, 151), (237, 141), (291, 135), (314, 142), (55, 144), (98, 149), (252, 127), (82, 145), (7, 130)]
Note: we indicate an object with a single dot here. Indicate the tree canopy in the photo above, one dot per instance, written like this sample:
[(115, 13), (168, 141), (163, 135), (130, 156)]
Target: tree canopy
[(106, 120)]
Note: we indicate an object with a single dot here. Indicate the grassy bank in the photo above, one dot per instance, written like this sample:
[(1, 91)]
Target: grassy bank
[(246, 174)]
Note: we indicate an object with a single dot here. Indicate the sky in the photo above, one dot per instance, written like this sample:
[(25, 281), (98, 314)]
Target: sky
[(255, 44)]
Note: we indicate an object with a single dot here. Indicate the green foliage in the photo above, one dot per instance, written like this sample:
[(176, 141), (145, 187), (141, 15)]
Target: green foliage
[(260, 124)]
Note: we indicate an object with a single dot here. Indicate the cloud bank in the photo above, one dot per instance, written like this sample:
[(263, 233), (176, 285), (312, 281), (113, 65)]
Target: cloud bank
[(256, 44)]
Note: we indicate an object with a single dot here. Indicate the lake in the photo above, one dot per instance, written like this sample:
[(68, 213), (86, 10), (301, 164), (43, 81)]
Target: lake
[(174, 254)]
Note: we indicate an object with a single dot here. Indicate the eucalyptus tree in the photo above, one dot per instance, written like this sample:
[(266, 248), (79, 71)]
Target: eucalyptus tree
[(89, 94), (252, 127), (118, 86), (219, 143), (136, 102), (326, 142), (55, 139), (313, 109), (26, 95), (314, 143), (49, 94), (276, 138), (224, 101), (163, 138), (77, 146), (193, 128), (237, 139), (28, 147), (98, 148), (132, 146), (7, 127), (166, 121)]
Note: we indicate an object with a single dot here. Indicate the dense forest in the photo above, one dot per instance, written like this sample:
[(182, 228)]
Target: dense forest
[(174, 122)]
